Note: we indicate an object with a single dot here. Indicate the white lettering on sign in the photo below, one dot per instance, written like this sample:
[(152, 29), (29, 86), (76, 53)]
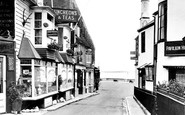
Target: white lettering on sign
[(66, 15), (175, 48), (66, 12)]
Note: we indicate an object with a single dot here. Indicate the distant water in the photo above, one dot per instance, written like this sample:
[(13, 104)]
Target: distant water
[(117, 74)]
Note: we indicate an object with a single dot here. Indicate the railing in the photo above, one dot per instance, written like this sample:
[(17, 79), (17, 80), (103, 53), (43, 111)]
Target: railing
[(169, 104), (146, 98)]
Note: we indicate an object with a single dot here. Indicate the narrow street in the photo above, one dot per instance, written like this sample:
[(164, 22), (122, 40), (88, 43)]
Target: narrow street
[(110, 101)]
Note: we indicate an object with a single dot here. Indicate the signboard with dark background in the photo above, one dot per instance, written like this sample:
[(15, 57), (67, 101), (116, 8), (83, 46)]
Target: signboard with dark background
[(6, 18), (66, 15), (175, 48)]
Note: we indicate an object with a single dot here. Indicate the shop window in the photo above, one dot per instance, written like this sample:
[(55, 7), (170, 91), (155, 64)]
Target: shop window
[(180, 76), (149, 73), (40, 81), (26, 79), (51, 77), (162, 25), (38, 28), (142, 42), (43, 81)]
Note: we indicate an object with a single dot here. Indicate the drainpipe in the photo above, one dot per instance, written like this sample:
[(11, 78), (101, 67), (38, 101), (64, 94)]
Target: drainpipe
[(154, 58), (154, 70)]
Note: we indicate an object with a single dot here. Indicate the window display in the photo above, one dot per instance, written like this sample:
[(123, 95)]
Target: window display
[(39, 77), (67, 78), (26, 80), (40, 81), (52, 84)]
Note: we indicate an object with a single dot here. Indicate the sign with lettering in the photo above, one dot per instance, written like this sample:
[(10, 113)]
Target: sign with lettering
[(175, 48), (7, 18), (52, 33), (66, 15), (6, 47)]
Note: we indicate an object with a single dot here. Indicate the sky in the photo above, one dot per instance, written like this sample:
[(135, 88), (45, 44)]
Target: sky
[(113, 25)]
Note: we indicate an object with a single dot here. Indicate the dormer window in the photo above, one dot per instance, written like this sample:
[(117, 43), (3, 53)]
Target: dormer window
[(38, 28)]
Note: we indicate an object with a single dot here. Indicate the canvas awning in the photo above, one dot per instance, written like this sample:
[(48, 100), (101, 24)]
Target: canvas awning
[(59, 57), (46, 53), (145, 65), (27, 50), (66, 58)]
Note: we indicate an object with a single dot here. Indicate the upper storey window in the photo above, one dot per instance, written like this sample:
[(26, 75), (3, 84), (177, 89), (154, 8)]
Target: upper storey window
[(162, 27), (38, 28), (142, 42)]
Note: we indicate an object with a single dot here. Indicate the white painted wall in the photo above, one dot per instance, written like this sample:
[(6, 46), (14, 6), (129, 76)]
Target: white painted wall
[(19, 8), (149, 85), (175, 20), (147, 56), (175, 32), (161, 72)]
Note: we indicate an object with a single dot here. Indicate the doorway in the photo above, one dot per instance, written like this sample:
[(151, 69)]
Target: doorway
[(2, 84)]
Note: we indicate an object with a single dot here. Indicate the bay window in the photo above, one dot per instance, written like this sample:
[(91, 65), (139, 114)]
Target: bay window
[(162, 21)]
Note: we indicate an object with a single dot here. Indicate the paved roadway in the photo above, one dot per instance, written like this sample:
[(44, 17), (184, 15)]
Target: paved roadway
[(110, 101)]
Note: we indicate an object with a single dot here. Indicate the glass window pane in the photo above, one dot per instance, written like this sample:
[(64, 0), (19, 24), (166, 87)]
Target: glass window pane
[(162, 21), (162, 33), (162, 10), (159, 10), (38, 15), (38, 32), (38, 40), (40, 81), (38, 24), (159, 35), (1, 75), (51, 78), (26, 79)]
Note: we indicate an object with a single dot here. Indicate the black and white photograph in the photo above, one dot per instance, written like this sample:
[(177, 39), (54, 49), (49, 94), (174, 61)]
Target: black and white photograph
[(92, 57)]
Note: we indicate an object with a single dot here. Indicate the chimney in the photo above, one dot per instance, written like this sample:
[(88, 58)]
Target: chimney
[(144, 13)]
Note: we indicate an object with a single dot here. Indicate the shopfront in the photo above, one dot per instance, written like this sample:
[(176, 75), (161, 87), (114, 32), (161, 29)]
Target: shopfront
[(79, 79), (175, 66), (66, 74), (146, 76), (38, 72), (7, 70)]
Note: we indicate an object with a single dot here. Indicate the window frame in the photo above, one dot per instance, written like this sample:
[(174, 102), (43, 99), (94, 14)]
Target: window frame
[(162, 21), (38, 38), (143, 40)]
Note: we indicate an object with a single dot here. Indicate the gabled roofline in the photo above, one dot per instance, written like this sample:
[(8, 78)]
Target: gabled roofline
[(146, 26)]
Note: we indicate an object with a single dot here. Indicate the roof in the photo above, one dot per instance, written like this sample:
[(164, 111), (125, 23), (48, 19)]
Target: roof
[(27, 50), (71, 4), (46, 53), (151, 23), (66, 58), (59, 57)]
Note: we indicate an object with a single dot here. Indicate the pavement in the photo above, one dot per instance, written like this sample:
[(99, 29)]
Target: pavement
[(134, 107)]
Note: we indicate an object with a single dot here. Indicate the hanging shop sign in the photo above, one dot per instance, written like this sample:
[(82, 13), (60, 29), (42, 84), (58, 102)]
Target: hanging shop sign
[(66, 15), (52, 33), (6, 47), (7, 18), (174, 48)]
